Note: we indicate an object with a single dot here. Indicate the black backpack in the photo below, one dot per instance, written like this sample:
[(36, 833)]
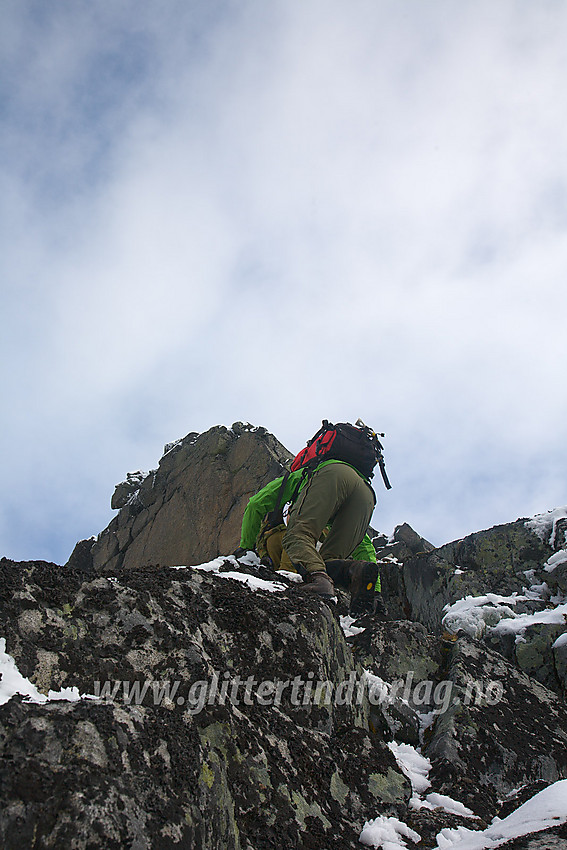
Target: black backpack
[(356, 445)]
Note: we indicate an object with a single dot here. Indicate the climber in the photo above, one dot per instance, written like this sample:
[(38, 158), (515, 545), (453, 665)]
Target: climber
[(326, 537)]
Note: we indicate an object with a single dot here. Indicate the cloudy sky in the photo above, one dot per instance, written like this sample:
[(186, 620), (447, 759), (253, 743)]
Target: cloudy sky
[(279, 211)]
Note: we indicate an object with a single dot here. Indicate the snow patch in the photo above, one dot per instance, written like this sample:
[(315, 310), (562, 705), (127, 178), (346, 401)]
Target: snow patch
[(388, 834), (252, 582), (441, 801), (12, 682), (347, 627), (560, 557), (520, 622), (416, 767), (474, 614), (477, 615), (544, 810), (379, 688)]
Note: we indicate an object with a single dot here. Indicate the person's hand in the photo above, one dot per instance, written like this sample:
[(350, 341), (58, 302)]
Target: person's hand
[(240, 552)]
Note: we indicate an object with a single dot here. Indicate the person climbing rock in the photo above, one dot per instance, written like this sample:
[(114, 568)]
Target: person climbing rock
[(332, 501)]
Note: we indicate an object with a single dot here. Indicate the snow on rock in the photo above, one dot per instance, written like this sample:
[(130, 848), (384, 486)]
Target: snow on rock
[(545, 525), (544, 810), (126, 492), (416, 767), (474, 614), (12, 682), (559, 558), (348, 628), (520, 622), (442, 801), (388, 834), (477, 615), (253, 582)]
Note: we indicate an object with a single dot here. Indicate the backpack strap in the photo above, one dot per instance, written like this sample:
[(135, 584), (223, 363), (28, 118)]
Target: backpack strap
[(275, 516), (307, 472), (286, 475)]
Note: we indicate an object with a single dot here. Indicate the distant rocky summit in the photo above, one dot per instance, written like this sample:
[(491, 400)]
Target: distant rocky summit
[(190, 508), (156, 693)]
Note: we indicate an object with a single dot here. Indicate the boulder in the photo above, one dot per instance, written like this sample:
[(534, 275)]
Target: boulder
[(190, 508), (557, 577), (533, 652), (496, 559), (404, 544), (501, 730), (159, 755)]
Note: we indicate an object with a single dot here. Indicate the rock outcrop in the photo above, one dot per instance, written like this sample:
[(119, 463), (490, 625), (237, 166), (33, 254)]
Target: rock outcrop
[(486, 727), (211, 714), (493, 561), (189, 509), (514, 570), (161, 758)]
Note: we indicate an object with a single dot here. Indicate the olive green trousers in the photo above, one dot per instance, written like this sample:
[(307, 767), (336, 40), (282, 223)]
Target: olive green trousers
[(336, 495)]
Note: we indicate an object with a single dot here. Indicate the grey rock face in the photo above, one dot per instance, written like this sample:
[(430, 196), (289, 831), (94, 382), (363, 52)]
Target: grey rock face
[(493, 561), (521, 559), (189, 510), (487, 728), (502, 730), (165, 768)]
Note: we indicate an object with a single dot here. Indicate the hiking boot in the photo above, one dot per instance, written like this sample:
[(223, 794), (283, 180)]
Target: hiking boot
[(339, 571), (363, 577), (320, 583)]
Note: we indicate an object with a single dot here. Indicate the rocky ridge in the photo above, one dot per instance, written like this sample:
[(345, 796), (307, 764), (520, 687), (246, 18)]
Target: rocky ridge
[(217, 706)]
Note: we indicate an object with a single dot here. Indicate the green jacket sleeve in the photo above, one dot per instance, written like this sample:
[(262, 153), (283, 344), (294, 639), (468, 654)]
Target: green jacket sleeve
[(365, 550), (262, 502)]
